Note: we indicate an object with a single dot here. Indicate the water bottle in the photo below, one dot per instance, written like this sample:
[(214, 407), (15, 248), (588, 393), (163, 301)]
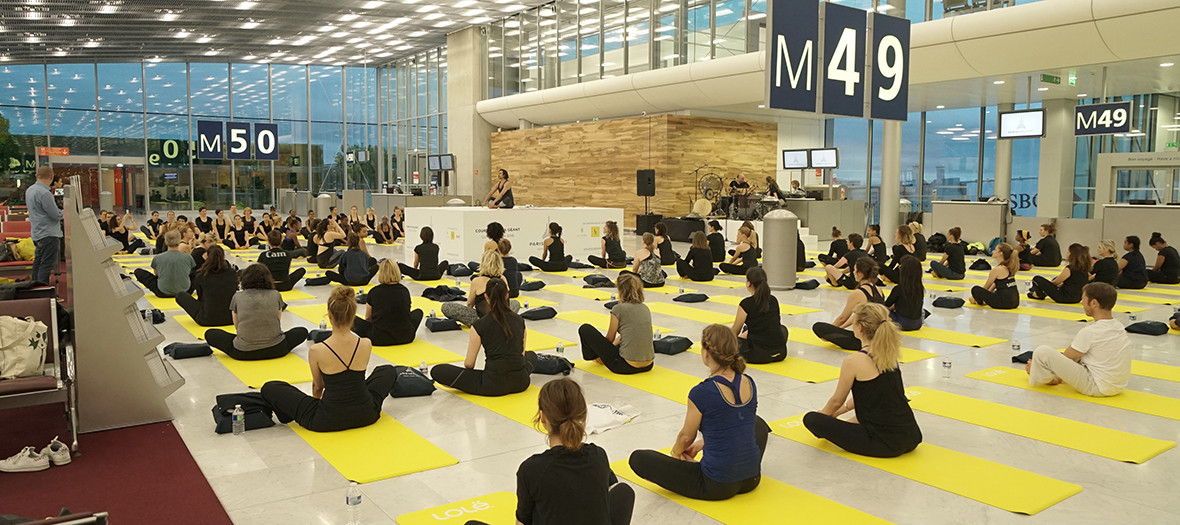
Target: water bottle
[(1132, 317), (323, 324), (432, 313), (353, 501), (560, 348), (423, 368), (362, 292), (658, 335), (1015, 348), (946, 368), (147, 316), (239, 420), (612, 296), (526, 304), (681, 290)]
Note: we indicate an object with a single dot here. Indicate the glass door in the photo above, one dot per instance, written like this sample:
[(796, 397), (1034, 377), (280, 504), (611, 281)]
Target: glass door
[(86, 169), (1135, 185)]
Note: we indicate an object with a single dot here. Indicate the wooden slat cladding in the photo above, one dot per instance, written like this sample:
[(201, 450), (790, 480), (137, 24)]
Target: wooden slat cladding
[(594, 163)]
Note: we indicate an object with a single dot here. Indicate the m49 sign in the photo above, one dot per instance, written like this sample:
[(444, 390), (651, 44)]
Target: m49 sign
[(1100, 119)]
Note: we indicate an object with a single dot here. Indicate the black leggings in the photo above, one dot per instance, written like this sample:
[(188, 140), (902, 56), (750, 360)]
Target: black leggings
[(292, 279), (685, 477), (1043, 287), (604, 263), (1130, 284), (595, 346), (550, 266), (686, 270), (944, 271), (1157, 276), (1043, 260), (482, 382), (995, 300), (151, 282), (291, 404), (133, 243), (890, 274), (620, 499), (645, 283), (364, 328), (336, 277), (201, 315), (224, 341), (827, 259), (423, 274), (328, 259), (734, 269), (905, 323), (852, 437), (837, 336), (759, 355)]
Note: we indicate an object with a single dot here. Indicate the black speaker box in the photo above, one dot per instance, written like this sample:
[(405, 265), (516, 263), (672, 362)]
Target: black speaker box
[(646, 223), (645, 183)]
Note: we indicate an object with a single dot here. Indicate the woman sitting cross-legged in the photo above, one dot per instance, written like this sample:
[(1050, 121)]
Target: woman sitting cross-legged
[(341, 398), (356, 267), (388, 319), (647, 264), (745, 251), (553, 257), (905, 246), (491, 268), (627, 347), (697, 264), (952, 266), (837, 332), (426, 264), (506, 364), (906, 299), (256, 309), (884, 425), (613, 255), (1067, 286), (1000, 291), (723, 408), (762, 338), (215, 284)]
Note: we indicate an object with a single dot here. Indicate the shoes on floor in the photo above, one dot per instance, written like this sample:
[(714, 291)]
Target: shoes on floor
[(57, 452), (27, 460)]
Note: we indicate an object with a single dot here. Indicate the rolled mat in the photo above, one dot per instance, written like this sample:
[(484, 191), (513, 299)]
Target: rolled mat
[(690, 313), (771, 498), (520, 407), (596, 294), (987, 482), (1156, 370), (793, 368), (1122, 308), (1135, 401), (783, 308), (350, 452), (955, 338), (599, 320), (290, 368), (717, 281), (807, 337), (664, 382), (1092, 439), (496, 508), (1037, 312)]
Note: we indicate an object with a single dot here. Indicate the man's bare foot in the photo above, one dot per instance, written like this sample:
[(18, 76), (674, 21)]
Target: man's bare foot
[(1028, 367)]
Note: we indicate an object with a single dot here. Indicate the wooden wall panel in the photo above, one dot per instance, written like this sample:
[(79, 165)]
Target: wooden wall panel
[(594, 163)]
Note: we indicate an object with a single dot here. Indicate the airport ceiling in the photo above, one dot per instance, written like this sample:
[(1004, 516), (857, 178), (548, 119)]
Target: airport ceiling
[(326, 32)]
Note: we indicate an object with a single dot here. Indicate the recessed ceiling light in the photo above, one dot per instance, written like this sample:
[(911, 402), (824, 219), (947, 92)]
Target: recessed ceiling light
[(426, 9), (480, 20), (275, 41), (445, 23), (465, 3), (340, 34), (1042, 89), (416, 34), (433, 16), (247, 5), (939, 107), (250, 25), (373, 4), (67, 22), (182, 34), (998, 82), (204, 39), (349, 17), (108, 9), (1082, 95), (211, 52), (1167, 64), (169, 16)]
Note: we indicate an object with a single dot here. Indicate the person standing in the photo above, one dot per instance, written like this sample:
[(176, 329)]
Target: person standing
[(45, 225)]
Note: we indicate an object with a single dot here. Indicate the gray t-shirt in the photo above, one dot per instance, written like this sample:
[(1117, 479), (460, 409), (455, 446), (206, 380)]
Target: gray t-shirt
[(635, 329), (172, 270), (258, 318)]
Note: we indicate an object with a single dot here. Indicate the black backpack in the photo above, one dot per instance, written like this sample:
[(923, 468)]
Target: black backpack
[(936, 243)]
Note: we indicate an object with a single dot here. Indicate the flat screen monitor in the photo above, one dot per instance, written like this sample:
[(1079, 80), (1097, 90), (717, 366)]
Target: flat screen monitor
[(432, 163), (170, 176), (1022, 124), (825, 158), (794, 159), (447, 162)]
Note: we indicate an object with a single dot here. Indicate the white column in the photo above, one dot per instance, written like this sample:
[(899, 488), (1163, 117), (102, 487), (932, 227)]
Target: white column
[(468, 135), (890, 178), (1056, 169), (1003, 159)]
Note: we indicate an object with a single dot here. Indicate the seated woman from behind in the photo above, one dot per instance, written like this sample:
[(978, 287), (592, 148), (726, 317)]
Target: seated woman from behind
[(723, 408), (647, 264), (491, 268), (906, 299), (341, 398), (884, 425), (388, 319), (1000, 291), (762, 338), (837, 332), (627, 347), (257, 309), (216, 283), (697, 265), (501, 334)]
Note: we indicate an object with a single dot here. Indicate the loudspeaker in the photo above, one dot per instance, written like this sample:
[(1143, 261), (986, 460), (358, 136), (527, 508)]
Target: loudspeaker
[(646, 223), (645, 183)]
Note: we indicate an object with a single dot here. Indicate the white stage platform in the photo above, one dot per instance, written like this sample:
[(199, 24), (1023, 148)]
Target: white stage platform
[(460, 231)]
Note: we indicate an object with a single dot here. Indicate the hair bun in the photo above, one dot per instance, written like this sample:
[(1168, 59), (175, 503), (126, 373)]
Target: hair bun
[(1156, 234)]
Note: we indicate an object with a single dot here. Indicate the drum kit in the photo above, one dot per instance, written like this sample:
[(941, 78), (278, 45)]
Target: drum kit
[(752, 205)]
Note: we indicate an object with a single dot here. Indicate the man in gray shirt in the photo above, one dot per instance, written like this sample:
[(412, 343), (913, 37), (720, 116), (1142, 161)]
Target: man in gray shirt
[(172, 269), (45, 219)]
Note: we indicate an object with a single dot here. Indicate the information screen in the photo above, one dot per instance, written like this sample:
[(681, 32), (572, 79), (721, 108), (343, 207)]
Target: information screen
[(826, 158), (447, 162), (1022, 124), (794, 159), (432, 163)]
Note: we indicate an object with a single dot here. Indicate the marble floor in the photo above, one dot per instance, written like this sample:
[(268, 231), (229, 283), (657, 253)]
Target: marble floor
[(273, 476)]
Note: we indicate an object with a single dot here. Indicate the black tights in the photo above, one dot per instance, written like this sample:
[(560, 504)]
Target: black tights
[(364, 328), (999, 301), (291, 404), (203, 316), (224, 341), (1157, 276), (292, 279), (852, 437), (1042, 288), (550, 266), (687, 271), (760, 355), (685, 477), (423, 274), (837, 336), (482, 382), (733, 269), (620, 497), (603, 263), (336, 277), (595, 346)]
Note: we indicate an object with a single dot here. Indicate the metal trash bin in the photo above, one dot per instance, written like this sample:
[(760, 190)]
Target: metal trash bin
[(323, 204), (780, 238)]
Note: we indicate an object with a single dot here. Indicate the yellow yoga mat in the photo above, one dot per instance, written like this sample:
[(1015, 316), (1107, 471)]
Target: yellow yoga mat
[(1138, 298), (690, 313), (596, 294), (535, 341), (1092, 439), (673, 289), (290, 368), (793, 368), (942, 286), (717, 281), (664, 382), (498, 508), (573, 274), (1037, 312), (1135, 401), (600, 320), (351, 452), (955, 338), (757, 507), (1117, 308), (807, 337), (444, 281), (159, 303), (415, 353), (1156, 370), (783, 308), (987, 482), (519, 407)]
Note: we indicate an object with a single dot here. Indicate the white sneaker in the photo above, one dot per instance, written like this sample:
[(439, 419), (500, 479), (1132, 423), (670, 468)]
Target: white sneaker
[(57, 452), (27, 460)]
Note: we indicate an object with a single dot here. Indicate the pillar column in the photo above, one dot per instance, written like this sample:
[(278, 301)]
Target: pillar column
[(468, 134), (890, 178), (1003, 183), (1055, 172)]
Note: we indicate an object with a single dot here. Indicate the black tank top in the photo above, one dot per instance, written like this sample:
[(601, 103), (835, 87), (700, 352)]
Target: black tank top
[(750, 257), (346, 389), (614, 250), (556, 250), (875, 296), (666, 254), (881, 406)]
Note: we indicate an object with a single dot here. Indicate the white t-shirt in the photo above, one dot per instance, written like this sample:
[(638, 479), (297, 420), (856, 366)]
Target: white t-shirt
[(1106, 353)]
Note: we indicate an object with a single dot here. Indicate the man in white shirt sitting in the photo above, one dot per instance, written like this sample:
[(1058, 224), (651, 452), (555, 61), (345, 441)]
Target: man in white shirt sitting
[(1098, 360)]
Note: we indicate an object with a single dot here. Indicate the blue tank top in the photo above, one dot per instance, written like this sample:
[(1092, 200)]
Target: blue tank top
[(731, 453)]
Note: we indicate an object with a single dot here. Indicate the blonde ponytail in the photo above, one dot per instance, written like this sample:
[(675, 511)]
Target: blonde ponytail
[(884, 335)]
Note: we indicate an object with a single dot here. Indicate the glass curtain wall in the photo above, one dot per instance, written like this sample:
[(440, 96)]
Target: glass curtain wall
[(413, 121)]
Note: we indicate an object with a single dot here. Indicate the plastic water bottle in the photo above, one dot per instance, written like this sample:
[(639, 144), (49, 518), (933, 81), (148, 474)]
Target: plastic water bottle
[(560, 348), (323, 324), (362, 292), (432, 313), (1015, 348), (946, 368), (239, 420), (612, 296), (353, 501), (1132, 317), (423, 368), (681, 289), (526, 304), (147, 316), (658, 335)]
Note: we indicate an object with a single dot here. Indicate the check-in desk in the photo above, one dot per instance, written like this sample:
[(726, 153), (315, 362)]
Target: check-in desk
[(819, 216), (383, 203)]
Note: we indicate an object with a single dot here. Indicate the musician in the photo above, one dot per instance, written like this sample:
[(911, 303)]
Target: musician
[(740, 190), (739, 186), (772, 189), (796, 192)]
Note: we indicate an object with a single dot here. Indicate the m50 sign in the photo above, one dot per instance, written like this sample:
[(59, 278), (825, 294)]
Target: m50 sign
[(1100, 119), (826, 56), (218, 140)]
